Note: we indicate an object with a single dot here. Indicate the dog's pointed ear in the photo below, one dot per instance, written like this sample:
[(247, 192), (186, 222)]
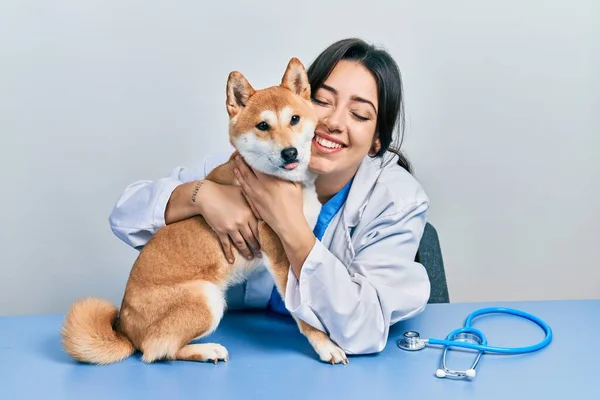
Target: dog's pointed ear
[(296, 79), (239, 91)]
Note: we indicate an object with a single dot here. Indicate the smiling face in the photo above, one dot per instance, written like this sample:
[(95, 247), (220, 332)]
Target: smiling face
[(346, 106), (272, 128)]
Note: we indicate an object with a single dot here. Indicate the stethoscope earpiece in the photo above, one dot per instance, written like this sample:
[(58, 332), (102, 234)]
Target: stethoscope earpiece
[(470, 373)]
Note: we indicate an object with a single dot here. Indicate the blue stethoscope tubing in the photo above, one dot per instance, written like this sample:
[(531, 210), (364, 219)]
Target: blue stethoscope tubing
[(483, 347)]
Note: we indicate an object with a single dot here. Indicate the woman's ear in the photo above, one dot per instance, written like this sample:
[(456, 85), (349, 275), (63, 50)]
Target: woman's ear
[(375, 147)]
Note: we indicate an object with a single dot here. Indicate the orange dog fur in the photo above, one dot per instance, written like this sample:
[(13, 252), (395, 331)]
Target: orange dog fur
[(176, 287)]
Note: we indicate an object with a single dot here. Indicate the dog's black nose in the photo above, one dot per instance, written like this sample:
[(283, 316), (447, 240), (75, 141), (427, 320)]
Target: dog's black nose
[(289, 154)]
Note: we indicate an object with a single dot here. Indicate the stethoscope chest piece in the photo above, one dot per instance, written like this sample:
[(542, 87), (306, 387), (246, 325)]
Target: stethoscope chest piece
[(411, 341)]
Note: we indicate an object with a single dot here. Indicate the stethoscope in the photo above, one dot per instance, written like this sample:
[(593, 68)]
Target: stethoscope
[(472, 338)]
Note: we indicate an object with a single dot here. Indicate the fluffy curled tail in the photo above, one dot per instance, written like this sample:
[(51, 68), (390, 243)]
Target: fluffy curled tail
[(88, 334)]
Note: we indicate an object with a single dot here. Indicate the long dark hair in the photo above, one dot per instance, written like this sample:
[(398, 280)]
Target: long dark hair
[(389, 83)]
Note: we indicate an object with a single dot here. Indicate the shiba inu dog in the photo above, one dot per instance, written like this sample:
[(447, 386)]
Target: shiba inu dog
[(175, 291)]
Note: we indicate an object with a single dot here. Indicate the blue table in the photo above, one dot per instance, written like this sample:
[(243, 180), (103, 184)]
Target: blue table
[(270, 359)]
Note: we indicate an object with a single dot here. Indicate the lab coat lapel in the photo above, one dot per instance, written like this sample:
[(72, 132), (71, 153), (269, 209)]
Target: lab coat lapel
[(364, 182), (338, 237)]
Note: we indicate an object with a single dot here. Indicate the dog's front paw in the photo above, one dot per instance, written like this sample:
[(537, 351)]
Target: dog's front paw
[(207, 352), (330, 353), (213, 352)]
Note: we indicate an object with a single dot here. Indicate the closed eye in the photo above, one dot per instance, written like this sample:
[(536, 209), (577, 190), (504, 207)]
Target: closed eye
[(319, 102), (360, 117)]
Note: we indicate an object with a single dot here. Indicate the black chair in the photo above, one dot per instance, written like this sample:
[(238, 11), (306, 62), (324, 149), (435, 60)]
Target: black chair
[(429, 255)]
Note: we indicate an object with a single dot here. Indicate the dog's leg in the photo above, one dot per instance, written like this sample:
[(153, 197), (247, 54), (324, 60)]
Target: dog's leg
[(327, 350), (195, 311), (278, 264)]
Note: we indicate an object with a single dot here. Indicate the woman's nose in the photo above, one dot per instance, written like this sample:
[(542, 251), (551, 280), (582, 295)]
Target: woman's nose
[(334, 121)]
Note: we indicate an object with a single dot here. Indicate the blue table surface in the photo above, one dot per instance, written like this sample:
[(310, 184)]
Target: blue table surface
[(270, 359)]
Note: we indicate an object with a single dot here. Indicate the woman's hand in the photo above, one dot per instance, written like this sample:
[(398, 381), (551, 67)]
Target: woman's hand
[(275, 201), (229, 215)]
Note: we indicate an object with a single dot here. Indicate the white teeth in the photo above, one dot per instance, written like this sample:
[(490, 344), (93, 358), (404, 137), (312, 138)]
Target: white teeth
[(328, 143)]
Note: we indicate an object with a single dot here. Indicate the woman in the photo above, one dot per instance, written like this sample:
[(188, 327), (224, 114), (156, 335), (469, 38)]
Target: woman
[(354, 275)]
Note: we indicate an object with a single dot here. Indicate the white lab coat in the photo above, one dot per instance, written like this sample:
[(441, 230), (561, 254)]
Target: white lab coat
[(360, 279)]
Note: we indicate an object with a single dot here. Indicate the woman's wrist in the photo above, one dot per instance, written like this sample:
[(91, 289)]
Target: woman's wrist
[(197, 197), (185, 202), (298, 241)]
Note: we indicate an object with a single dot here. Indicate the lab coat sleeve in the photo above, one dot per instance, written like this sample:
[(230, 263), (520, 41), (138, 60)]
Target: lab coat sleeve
[(140, 210), (356, 304)]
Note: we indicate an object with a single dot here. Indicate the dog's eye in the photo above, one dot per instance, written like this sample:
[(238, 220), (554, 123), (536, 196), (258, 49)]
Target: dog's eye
[(295, 119), (263, 126)]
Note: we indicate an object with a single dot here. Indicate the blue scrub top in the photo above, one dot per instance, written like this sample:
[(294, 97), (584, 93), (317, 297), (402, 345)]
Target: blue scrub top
[(327, 213)]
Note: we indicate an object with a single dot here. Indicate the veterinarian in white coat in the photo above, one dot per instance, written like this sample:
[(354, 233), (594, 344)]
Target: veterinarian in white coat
[(360, 276)]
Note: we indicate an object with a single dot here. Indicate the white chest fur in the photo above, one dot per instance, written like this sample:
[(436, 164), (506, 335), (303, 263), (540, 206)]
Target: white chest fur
[(311, 204)]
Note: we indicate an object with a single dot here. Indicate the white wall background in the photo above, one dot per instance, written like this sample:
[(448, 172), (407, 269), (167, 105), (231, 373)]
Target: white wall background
[(503, 108)]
